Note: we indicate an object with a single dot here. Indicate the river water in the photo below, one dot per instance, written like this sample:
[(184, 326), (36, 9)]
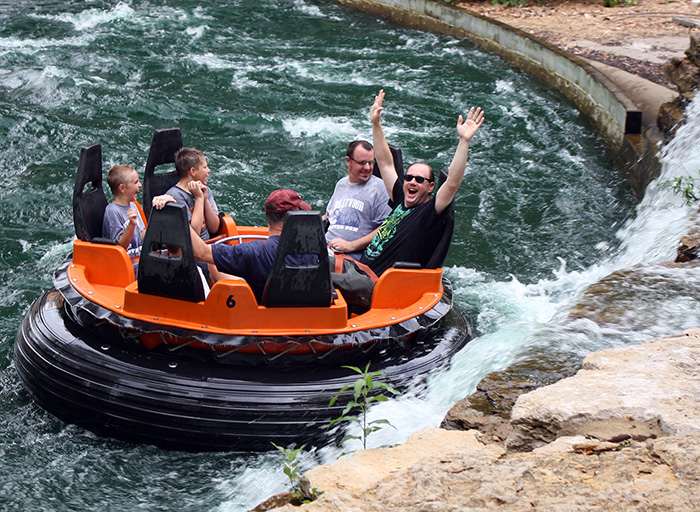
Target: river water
[(272, 92)]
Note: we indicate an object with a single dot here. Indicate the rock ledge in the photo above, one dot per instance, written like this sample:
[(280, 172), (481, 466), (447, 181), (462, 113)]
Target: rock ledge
[(621, 434)]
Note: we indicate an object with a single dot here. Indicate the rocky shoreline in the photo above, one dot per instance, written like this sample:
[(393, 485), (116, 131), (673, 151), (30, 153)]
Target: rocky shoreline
[(621, 434)]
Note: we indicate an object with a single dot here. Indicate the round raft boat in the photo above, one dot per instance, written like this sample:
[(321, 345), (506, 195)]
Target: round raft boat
[(154, 357)]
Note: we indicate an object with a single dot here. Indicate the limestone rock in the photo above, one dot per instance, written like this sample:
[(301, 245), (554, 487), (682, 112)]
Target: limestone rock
[(671, 116), (488, 408), (655, 475), (693, 52), (614, 407), (684, 73), (689, 248), (613, 299), (365, 468), (618, 394)]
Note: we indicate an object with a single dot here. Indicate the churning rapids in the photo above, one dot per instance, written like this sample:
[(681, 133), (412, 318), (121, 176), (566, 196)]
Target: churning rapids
[(272, 94)]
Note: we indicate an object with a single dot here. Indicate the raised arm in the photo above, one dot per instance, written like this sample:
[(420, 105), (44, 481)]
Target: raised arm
[(466, 130), (382, 153)]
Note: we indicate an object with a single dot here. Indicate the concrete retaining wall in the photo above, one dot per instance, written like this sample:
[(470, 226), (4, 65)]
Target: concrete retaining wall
[(614, 114)]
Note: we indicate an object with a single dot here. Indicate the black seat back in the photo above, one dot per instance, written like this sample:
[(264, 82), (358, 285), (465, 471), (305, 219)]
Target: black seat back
[(165, 143), (398, 163), (89, 204), (160, 273), (300, 275), (440, 252)]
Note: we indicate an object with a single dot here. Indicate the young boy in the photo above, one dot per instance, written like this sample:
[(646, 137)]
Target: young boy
[(122, 220), (191, 190)]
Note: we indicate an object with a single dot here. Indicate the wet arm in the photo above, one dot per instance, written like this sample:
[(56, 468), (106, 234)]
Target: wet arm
[(211, 217), (466, 130), (382, 153), (196, 189), (201, 250)]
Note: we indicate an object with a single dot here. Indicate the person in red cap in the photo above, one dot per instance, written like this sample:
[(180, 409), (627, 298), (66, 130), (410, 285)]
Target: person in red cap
[(252, 260)]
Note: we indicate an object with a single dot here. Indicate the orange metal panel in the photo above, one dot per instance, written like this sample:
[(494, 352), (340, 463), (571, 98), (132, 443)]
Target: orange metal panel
[(104, 264), (399, 288)]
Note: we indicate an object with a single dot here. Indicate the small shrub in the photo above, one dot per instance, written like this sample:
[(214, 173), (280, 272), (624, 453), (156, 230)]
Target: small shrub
[(623, 3), (510, 3), (364, 393), (290, 465)]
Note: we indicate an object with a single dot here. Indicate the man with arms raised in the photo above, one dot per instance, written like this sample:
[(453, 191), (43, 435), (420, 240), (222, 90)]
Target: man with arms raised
[(415, 226)]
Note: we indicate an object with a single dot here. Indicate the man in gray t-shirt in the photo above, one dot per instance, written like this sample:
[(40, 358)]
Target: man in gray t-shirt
[(359, 203)]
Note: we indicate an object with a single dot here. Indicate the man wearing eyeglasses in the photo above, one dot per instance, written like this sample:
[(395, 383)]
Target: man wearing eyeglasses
[(359, 203), (416, 224)]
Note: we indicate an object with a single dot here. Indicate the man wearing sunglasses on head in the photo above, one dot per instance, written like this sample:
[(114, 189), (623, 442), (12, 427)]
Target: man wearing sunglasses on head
[(418, 220)]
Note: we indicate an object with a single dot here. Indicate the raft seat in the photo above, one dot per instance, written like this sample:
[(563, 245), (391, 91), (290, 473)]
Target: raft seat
[(164, 144), (301, 275), (89, 200), (162, 273)]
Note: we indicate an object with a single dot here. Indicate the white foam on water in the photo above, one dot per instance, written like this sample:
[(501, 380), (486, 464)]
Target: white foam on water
[(92, 18), (314, 11), (213, 61), (327, 127), (196, 32)]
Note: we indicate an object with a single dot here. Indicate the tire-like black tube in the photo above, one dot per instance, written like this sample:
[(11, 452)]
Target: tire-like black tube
[(177, 401)]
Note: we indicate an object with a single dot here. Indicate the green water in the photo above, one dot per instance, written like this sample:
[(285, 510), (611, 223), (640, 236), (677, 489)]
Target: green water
[(273, 92)]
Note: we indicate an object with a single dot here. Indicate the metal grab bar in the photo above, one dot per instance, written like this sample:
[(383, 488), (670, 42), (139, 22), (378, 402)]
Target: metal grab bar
[(240, 238)]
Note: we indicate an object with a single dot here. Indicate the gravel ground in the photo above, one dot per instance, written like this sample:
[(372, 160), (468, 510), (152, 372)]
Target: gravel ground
[(638, 37)]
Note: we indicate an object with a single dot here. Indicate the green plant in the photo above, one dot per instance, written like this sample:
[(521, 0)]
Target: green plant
[(365, 392), (290, 466), (614, 3), (509, 3), (685, 186)]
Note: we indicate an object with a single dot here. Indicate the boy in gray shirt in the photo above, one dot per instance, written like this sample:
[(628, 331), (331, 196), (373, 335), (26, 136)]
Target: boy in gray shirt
[(122, 220)]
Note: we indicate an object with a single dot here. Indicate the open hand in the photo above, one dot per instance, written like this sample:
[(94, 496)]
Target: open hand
[(375, 113), (467, 129), (159, 202)]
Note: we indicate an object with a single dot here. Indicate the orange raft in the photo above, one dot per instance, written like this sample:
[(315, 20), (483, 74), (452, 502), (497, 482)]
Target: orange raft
[(151, 357)]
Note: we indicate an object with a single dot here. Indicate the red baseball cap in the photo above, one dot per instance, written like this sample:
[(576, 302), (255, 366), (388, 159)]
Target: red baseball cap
[(284, 200)]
